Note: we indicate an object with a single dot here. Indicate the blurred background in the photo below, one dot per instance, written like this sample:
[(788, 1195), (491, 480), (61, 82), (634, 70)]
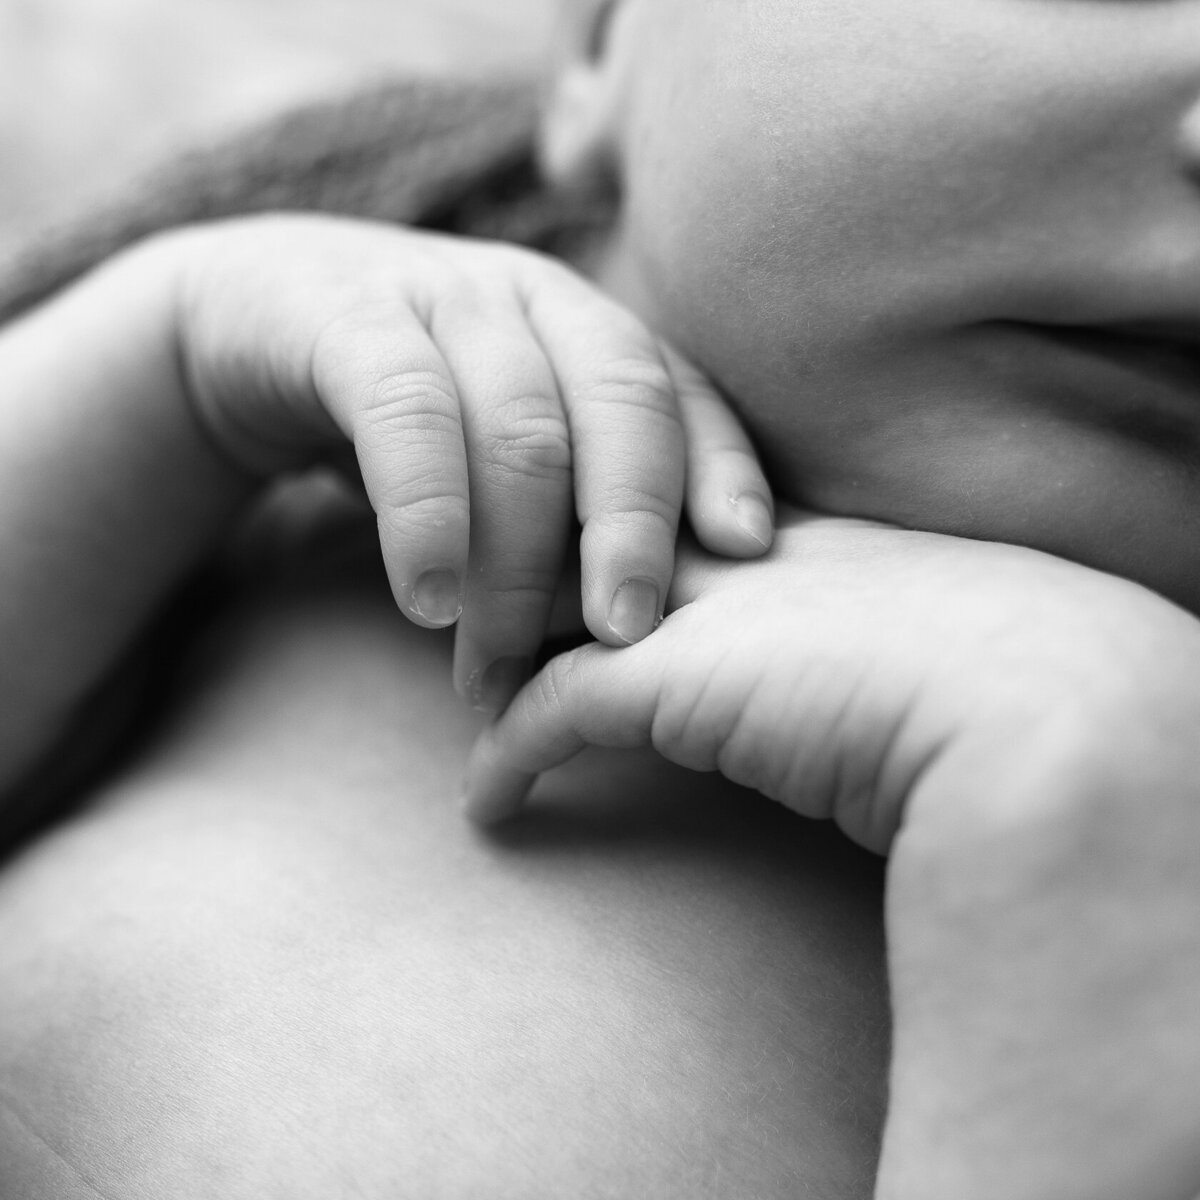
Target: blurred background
[(93, 90)]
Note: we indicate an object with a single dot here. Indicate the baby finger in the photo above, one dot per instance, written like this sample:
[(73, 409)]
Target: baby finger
[(390, 390), (628, 446), (519, 462), (593, 696), (729, 500)]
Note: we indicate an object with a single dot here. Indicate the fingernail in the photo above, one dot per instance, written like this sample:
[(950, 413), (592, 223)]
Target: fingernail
[(635, 610), (754, 518), (491, 690), (437, 598)]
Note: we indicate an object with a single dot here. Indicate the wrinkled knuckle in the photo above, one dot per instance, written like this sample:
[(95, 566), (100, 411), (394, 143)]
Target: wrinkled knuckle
[(634, 517), (639, 383), (554, 682), (675, 737), (743, 762), (537, 445), (410, 394), (408, 510), (516, 596), (408, 410), (686, 729)]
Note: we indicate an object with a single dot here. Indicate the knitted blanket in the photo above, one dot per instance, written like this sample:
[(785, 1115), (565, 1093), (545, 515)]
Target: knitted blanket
[(452, 156)]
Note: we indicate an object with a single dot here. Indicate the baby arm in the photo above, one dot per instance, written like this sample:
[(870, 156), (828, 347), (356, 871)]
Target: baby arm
[(145, 405), (111, 493), (1019, 734)]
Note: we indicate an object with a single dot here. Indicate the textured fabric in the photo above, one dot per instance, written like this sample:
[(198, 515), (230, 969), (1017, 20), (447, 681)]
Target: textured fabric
[(453, 156)]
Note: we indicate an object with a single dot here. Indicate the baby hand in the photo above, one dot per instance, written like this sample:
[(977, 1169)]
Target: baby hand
[(486, 390), (1020, 734)]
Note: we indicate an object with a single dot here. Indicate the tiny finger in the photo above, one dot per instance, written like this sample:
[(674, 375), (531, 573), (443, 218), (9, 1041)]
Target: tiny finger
[(728, 499), (519, 465), (391, 391), (590, 696), (628, 445)]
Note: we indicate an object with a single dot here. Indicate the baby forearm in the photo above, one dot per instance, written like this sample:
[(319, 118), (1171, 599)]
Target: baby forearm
[(109, 488), (1045, 960)]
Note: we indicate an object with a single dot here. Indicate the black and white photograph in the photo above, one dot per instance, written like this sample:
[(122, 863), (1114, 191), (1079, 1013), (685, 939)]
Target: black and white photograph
[(600, 600)]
